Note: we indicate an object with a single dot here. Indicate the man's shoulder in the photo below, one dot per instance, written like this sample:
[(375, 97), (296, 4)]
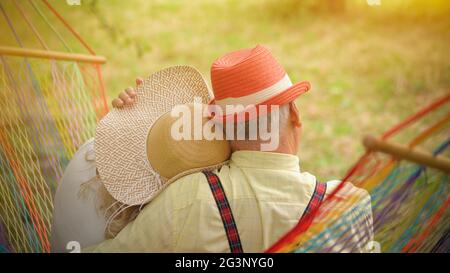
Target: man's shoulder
[(189, 181), (187, 190), (347, 190)]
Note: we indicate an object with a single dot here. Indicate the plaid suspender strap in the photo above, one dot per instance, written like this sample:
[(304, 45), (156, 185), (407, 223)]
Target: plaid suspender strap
[(316, 199), (225, 212)]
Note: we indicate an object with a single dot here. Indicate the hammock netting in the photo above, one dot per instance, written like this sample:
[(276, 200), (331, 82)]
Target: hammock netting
[(409, 202), (49, 107)]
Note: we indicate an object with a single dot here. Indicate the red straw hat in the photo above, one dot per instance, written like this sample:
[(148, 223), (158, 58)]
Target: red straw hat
[(252, 76)]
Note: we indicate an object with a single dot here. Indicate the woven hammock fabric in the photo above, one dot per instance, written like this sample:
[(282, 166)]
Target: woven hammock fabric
[(409, 202), (48, 109)]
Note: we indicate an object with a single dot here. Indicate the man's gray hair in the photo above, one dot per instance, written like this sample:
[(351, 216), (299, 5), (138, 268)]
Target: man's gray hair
[(242, 129), (264, 131)]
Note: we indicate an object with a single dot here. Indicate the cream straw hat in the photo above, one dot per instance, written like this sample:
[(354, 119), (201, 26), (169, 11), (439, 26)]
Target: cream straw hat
[(136, 156)]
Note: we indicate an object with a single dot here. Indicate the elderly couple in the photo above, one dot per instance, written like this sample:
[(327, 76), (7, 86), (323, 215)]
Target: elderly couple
[(159, 194)]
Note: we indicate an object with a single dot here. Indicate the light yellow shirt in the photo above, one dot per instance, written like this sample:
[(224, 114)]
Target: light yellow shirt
[(267, 194)]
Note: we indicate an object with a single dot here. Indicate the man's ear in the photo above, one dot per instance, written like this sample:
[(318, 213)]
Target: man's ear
[(294, 114)]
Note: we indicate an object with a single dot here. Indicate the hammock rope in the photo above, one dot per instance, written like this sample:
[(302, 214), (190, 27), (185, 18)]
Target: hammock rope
[(49, 108), (46, 20), (69, 27), (409, 201), (30, 25), (50, 105), (27, 194)]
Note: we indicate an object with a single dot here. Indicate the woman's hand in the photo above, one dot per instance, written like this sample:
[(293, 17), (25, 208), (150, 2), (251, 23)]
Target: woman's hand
[(127, 96)]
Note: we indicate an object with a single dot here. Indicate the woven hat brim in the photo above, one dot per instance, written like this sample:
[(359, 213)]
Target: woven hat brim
[(121, 136)]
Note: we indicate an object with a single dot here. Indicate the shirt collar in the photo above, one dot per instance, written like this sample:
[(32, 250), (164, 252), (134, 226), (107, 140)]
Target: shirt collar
[(265, 160)]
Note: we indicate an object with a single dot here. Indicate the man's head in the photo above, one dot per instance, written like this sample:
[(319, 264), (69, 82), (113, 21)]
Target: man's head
[(253, 79), (281, 132)]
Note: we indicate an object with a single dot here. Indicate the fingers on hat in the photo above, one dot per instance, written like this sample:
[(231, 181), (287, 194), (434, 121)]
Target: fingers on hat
[(117, 102), (125, 97), (139, 81), (130, 92)]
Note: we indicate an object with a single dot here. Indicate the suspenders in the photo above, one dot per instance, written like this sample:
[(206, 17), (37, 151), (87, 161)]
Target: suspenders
[(226, 214), (316, 199)]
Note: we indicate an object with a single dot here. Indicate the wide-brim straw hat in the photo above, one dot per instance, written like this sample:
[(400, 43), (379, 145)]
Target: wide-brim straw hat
[(136, 156)]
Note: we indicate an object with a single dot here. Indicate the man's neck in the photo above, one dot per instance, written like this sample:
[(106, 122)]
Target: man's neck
[(255, 145)]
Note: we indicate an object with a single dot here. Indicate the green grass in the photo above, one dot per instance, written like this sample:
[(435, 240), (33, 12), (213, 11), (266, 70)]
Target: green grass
[(368, 68)]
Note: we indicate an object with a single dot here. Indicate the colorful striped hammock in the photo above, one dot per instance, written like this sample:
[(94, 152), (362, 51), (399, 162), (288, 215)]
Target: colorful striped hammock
[(409, 201), (51, 101)]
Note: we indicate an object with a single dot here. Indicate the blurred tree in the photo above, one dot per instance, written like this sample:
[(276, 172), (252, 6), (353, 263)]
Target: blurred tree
[(336, 6), (116, 31), (333, 6), (291, 8)]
